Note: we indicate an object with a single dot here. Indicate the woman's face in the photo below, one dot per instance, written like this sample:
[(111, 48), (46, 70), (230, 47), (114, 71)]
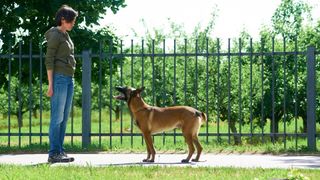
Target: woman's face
[(68, 25)]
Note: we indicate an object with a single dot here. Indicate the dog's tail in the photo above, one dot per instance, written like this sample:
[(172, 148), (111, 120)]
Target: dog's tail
[(203, 117)]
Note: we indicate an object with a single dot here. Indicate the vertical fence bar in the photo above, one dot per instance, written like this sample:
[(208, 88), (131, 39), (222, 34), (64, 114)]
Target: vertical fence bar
[(218, 91), (30, 90), (296, 91), (121, 83), (284, 93), (142, 72), (110, 76), (72, 121), (185, 71), (41, 94), (100, 89), (153, 79), (207, 90), (86, 99), (229, 90), (20, 99), (262, 89), (196, 75), (164, 73), (272, 94), (311, 98), (142, 63), (9, 95), (131, 125), (174, 84), (251, 113), (240, 89), (164, 84)]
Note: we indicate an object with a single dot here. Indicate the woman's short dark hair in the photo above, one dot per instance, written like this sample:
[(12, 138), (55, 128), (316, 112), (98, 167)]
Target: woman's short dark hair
[(66, 13)]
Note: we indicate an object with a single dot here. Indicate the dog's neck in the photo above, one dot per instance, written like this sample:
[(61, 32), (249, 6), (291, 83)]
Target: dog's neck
[(137, 104)]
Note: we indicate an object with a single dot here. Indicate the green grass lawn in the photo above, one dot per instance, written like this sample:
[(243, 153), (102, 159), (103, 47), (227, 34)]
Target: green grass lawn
[(136, 144), (154, 172)]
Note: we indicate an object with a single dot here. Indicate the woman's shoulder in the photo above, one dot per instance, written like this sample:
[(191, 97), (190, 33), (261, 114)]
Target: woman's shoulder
[(53, 33)]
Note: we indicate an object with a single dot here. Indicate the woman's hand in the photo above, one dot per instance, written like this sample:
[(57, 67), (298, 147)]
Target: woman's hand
[(50, 91), (50, 80)]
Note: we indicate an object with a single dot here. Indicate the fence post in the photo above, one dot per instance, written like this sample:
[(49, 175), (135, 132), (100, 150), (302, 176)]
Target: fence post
[(86, 98), (311, 98)]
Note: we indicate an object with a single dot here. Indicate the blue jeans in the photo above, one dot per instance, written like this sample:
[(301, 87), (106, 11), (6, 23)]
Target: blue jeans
[(60, 108)]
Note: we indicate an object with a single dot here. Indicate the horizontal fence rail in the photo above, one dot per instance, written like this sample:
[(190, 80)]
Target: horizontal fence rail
[(255, 93)]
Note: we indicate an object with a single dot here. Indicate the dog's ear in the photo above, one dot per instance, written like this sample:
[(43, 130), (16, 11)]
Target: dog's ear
[(139, 90)]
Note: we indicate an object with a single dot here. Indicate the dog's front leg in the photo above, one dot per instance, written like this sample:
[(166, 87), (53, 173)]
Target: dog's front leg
[(150, 148), (148, 151)]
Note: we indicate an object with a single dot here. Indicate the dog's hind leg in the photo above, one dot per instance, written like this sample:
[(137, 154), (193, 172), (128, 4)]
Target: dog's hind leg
[(188, 138), (199, 148), (150, 148)]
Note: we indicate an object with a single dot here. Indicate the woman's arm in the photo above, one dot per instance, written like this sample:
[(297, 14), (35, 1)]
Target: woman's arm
[(52, 47), (50, 81)]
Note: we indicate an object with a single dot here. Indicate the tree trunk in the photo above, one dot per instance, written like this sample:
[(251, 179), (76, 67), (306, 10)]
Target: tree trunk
[(34, 112), (117, 112), (237, 138), (20, 120), (304, 125), (274, 137)]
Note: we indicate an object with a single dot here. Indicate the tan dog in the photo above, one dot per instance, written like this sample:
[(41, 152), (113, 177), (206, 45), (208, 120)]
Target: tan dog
[(151, 120)]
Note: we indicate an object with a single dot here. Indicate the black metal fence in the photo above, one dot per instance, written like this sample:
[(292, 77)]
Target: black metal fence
[(242, 89)]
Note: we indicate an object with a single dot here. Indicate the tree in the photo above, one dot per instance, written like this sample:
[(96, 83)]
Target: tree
[(23, 21), (288, 18), (287, 22)]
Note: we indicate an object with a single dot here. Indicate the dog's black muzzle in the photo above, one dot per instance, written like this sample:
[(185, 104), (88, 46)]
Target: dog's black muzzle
[(123, 96)]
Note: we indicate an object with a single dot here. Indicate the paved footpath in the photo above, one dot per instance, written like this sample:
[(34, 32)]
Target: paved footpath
[(207, 160)]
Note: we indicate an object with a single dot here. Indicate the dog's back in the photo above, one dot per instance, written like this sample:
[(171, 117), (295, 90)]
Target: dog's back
[(168, 118)]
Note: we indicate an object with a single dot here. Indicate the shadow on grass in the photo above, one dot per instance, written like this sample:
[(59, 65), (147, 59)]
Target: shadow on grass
[(147, 164)]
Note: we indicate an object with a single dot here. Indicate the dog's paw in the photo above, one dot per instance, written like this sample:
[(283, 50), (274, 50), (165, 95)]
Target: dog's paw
[(147, 160), (195, 160), (185, 161)]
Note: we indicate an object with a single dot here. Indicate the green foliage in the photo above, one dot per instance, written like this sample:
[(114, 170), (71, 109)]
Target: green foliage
[(290, 71), (35, 17), (22, 28), (288, 17), (22, 100), (29, 20)]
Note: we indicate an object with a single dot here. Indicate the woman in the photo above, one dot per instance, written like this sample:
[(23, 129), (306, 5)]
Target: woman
[(60, 64)]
